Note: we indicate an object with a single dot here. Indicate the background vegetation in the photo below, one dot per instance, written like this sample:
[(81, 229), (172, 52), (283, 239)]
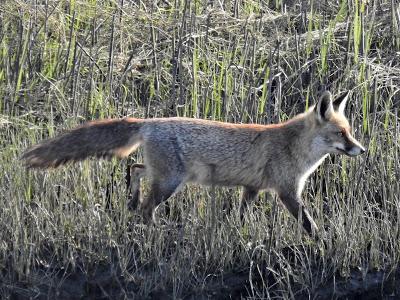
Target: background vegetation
[(68, 234)]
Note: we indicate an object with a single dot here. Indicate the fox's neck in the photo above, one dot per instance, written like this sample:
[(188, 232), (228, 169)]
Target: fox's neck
[(304, 147), (300, 130), (308, 153)]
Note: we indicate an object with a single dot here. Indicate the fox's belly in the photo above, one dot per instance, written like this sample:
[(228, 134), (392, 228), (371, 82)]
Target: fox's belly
[(225, 175)]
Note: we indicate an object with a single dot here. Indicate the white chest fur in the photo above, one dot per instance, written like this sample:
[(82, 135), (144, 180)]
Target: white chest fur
[(309, 169)]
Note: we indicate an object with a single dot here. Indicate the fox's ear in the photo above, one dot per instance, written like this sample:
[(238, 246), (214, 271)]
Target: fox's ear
[(324, 107), (339, 104)]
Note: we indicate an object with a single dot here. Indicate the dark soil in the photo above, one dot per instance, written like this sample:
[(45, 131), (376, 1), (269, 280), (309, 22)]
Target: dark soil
[(106, 283)]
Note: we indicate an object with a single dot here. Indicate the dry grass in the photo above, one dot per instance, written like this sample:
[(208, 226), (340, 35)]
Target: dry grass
[(69, 231)]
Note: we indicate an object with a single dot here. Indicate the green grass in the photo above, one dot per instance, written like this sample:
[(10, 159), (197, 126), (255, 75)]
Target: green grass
[(243, 61)]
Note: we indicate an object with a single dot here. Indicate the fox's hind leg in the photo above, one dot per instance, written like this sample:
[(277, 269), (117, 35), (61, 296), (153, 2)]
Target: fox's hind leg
[(137, 172), (248, 196), (166, 171), (160, 190)]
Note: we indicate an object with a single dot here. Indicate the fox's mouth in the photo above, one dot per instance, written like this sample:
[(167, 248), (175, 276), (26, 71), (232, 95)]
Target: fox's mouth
[(346, 152), (343, 151)]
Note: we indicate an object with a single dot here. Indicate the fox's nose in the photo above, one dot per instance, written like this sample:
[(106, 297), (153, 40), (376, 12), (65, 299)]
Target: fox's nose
[(362, 150)]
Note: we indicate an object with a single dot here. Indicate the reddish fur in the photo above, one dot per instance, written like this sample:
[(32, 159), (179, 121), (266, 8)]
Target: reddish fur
[(97, 138)]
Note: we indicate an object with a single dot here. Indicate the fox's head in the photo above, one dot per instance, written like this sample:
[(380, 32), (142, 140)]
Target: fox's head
[(332, 129)]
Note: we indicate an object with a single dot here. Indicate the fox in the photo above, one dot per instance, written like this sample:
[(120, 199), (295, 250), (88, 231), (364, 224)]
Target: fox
[(177, 150)]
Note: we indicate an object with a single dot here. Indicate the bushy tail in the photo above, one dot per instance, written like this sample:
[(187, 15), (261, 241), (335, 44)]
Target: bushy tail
[(104, 138)]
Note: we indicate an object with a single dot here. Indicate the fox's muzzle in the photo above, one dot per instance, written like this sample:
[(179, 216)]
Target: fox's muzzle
[(351, 148), (354, 148), (354, 151)]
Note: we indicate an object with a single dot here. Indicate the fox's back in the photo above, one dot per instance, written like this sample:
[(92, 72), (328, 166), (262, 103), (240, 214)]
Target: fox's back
[(206, 140)]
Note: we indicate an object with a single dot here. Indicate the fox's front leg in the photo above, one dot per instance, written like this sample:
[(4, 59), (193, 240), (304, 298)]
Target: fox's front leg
[(295, 205)]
